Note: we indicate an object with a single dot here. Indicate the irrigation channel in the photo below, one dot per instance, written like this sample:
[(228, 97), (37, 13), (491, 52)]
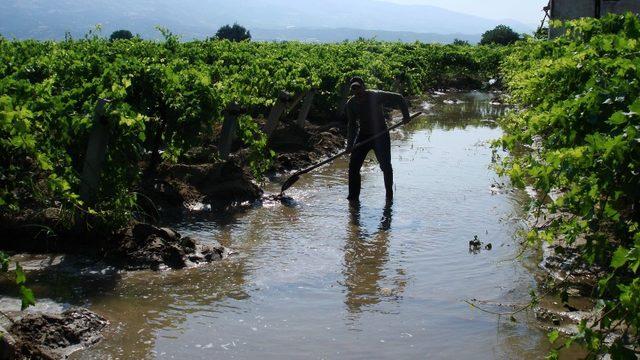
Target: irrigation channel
[(320, 279)]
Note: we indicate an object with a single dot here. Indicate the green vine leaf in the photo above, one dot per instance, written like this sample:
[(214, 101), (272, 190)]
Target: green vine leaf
[(619, 258), (28, 299), (21, 278)]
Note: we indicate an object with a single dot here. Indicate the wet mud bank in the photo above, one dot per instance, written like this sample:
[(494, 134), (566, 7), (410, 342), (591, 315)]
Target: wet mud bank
[(51, 336), (297, 148), (141, 244), (137, 246), (569, 287), (568, 284), (200, 183), (176, 188), (144, 246), (51, 333), (562, 271)]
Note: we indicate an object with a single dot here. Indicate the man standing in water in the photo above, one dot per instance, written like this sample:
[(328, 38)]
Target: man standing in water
[(366, 118)]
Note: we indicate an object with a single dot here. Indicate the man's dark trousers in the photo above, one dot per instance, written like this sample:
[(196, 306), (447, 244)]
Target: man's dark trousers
[(382, 148)]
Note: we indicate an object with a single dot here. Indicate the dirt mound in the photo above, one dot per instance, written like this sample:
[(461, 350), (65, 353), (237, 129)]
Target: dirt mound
[(328, 141), (138, 246), (144, 246), (299, 148), (219, 184), (224, 182), (293, 161), (290, 138), (50, 230), (199, 155), (53, 336)]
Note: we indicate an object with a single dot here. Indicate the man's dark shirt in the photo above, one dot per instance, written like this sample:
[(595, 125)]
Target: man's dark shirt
[(367, 114)]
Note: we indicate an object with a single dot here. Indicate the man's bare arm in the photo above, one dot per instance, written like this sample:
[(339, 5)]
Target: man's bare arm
[(398, 100)]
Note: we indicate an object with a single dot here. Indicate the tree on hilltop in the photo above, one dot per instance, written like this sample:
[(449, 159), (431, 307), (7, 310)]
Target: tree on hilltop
[(233, 33), (501, 35), (121, 35)]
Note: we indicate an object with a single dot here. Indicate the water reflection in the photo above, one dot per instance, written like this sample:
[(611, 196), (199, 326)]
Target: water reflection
[(460, 111), (365, 260)]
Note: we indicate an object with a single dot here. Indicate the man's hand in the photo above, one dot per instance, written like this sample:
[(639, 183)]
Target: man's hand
[(349, 146)]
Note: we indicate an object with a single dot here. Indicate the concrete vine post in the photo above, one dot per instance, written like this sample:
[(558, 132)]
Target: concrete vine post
[(284, 98), (95, 155), (344, 98), (229, 129), (305, 108)]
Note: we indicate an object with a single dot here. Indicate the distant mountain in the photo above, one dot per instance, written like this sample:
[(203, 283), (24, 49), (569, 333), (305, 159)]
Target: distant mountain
[(341, 34), (50, 19)]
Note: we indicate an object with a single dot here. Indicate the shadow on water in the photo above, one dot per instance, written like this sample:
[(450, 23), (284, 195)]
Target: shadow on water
[(66, 279)]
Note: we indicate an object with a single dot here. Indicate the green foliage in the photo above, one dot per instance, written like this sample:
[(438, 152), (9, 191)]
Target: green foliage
[(27, 297), (580, 120), (4, 262), (121, 35), (500, 35), (25, 293), (459, 42), (167, 97), (260, 157), (541, 33), (233, 33)]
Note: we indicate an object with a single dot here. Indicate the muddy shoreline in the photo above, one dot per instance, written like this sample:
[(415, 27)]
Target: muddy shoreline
[(568, 284), (51, 336)]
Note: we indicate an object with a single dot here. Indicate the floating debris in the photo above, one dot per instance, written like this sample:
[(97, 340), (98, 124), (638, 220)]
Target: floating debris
[(475, 242), (475, 245), (426, 105)]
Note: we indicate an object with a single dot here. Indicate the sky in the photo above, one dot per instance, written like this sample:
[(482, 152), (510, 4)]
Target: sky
[(526, 11)]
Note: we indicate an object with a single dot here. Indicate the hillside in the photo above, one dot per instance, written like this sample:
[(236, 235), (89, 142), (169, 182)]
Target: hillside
[(42, 19)]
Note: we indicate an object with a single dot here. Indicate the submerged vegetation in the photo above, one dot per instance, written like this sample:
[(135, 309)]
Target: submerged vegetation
[(579, 134)]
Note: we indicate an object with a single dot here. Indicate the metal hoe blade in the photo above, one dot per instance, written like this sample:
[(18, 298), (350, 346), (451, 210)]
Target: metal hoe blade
[(289, 182)]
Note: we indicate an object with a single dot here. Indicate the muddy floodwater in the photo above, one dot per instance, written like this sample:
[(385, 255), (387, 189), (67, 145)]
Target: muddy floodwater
[(315, 278)]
